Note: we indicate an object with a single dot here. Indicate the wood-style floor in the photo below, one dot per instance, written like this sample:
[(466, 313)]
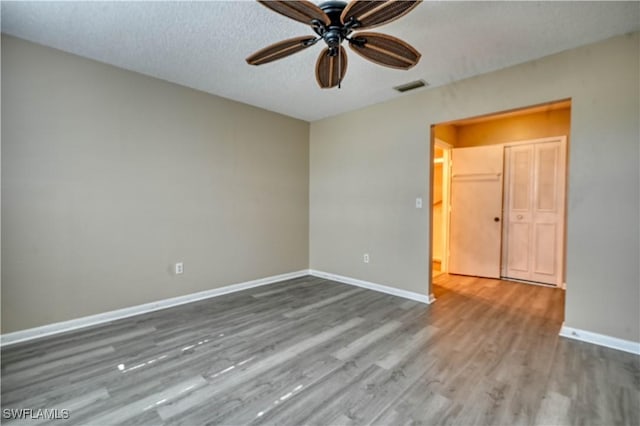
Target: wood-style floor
[(316, 352)]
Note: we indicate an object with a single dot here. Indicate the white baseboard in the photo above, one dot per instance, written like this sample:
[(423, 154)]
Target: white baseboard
[(88, 321), (423, 298), (601, 339)]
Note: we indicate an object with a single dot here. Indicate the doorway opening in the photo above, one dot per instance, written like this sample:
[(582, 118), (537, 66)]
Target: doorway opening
[(499, 197)]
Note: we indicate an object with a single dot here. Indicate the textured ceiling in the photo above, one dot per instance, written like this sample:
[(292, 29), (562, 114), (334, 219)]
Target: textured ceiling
[(203, 44)]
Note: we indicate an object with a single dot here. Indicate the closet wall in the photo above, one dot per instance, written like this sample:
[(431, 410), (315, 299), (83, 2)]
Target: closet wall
[(555, 122)]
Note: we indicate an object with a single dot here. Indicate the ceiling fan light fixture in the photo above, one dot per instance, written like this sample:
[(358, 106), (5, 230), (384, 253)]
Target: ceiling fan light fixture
[(411, 86)]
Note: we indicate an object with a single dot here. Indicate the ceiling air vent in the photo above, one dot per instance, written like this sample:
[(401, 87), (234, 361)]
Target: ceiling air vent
[(411, 86)]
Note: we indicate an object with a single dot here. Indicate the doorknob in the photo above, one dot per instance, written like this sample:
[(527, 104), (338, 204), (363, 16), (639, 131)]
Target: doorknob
[(496, 219)]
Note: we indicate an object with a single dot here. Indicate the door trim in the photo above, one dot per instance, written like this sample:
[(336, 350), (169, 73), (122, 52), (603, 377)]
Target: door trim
[(562, 138), (446, 204)]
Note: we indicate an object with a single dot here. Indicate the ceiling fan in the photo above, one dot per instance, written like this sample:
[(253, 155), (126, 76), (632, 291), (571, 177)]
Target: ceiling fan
[(336, 21)]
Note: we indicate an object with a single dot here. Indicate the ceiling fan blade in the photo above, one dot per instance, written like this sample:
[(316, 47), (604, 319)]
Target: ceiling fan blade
[(330, 70), (280, 50), (371, 14), (299, 10), (385, 50)]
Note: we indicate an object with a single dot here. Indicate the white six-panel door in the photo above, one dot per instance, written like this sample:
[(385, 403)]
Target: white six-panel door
[(534, 211)]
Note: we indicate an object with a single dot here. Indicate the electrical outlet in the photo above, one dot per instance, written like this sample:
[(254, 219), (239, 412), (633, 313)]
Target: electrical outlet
[(179, 268), (418, 203), (365, 258)]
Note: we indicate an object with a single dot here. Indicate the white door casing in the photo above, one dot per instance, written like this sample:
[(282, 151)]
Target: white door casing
[(476, 210), (446, 203)]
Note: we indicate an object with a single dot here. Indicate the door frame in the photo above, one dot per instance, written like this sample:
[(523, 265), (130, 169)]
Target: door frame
[(561, 253), (446, 203)]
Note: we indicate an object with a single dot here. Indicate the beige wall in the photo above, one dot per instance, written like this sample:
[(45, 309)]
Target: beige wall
[(517, 128), (109, 177), (363, 187)]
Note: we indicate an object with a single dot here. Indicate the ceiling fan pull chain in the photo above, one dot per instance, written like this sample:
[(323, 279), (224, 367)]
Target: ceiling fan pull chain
[(339, 68)]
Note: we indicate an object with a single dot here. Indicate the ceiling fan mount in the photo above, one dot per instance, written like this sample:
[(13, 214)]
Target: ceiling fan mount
[(336, 32), (335, 21), (333, 9)]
